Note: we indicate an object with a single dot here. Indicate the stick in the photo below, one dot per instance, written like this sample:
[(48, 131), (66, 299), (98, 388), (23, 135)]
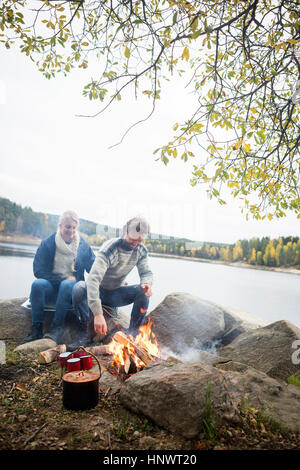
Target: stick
[(34, 434), (109, 441)]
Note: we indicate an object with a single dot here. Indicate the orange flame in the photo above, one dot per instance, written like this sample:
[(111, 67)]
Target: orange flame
[(147, 339), (121, 352)]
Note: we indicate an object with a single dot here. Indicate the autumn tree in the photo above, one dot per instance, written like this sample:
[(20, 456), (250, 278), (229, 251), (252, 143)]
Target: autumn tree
[(237, 253), (253, 259), (269, 255), (259, 258), (242, 64)]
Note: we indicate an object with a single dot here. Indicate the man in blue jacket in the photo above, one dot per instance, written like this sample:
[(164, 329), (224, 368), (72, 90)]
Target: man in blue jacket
[(59, 263)]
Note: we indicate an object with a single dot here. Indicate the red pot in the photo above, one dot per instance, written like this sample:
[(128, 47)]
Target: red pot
[(81, 389)]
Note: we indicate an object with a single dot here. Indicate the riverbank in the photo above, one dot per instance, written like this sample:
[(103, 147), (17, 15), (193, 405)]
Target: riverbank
[(24, 239), (236, 264)]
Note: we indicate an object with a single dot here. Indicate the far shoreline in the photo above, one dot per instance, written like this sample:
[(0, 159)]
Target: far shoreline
[(236, 264), (29, 240)]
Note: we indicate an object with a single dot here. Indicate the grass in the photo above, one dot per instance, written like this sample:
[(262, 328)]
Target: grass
[(294, 380), (259, 418), (208, 417), (122, 427), (126, 425)]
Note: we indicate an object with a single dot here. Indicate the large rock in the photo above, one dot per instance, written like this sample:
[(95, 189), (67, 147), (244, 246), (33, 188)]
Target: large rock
[(182, 321), (176, 396), (15, 324), (238, 322), (15, 321), (268, 349)]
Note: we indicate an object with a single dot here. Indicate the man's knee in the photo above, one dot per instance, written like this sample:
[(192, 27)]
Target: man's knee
[(141, 293), (79, 292)]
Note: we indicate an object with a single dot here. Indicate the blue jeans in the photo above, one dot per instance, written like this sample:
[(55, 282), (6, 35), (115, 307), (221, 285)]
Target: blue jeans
[(43, 292), (124, 295)]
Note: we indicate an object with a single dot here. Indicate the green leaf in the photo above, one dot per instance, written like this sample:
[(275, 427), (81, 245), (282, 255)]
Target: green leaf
[(127, 52)]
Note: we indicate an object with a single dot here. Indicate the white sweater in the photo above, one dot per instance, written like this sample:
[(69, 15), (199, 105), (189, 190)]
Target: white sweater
[(113, 263), (65, 256)]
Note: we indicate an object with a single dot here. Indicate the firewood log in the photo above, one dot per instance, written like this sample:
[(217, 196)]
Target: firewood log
[(127, 362), (144, 355), (99, 350), (50, 355)]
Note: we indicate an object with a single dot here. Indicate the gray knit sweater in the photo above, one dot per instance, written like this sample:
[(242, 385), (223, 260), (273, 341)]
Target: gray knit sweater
[(113, 263)]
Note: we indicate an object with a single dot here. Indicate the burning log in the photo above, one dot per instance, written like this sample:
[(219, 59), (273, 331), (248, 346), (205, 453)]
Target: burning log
[(51, 354), (140, 351), (129, 355)]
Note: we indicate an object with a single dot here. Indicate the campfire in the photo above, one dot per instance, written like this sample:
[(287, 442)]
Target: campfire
[(130, 355)]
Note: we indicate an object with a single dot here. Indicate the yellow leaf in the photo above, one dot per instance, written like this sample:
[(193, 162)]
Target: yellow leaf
[(186, 53), (127, 52), (247, 147), (175, 127), (237, 145)]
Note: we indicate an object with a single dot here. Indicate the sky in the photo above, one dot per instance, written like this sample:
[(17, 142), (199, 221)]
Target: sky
[(53, 160)]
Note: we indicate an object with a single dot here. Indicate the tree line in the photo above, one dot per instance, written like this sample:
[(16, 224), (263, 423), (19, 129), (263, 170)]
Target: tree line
[(283, 251), (23, 220)]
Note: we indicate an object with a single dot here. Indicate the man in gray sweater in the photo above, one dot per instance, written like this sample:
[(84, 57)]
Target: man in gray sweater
[(105, 284)]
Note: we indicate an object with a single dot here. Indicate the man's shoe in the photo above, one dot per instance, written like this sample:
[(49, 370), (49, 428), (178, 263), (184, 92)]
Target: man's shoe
[(35, 333), (85, 335), (83, 339), (55, 334)]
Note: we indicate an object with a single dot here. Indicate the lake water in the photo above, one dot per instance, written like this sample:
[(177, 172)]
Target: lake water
[(268, 295)]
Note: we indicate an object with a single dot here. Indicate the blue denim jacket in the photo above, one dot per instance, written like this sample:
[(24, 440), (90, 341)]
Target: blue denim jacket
[(44, 260)]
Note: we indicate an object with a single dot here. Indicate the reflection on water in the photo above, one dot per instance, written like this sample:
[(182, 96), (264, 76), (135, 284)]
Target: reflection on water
[(16, 249)]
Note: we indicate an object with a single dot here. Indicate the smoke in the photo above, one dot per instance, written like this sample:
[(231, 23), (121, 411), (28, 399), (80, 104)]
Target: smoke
[(195, 352)]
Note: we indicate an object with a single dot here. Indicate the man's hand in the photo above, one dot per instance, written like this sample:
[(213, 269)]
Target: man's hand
[(71, 278), (147, 289), (100, 326)]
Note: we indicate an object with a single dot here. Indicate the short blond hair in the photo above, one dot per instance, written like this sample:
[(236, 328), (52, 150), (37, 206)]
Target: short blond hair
[(68, 215)]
